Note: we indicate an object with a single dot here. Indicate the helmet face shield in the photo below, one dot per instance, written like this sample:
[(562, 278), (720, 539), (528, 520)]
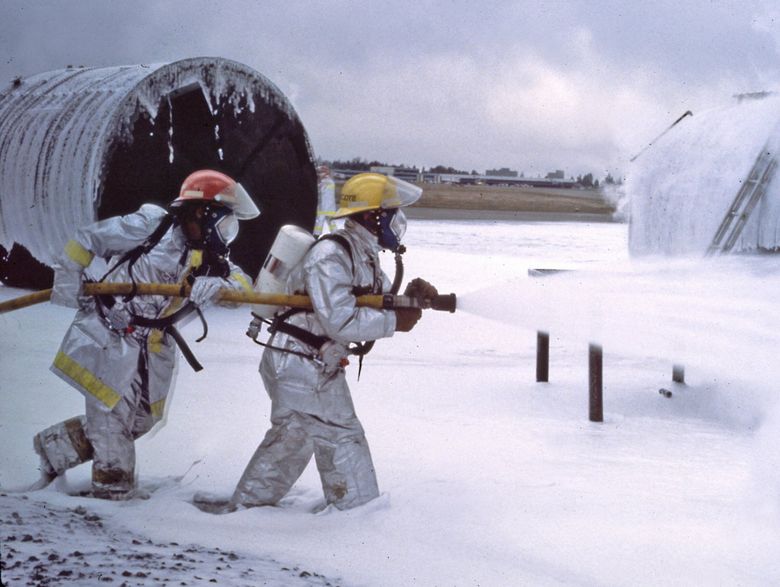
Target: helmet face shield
[(227, 228), (401, 193), (220, 227), (398, 224), (241, 203)]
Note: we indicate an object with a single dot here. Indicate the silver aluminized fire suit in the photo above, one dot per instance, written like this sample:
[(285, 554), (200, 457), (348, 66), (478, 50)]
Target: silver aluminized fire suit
[(312, 411), (326, 206), (125, 377)]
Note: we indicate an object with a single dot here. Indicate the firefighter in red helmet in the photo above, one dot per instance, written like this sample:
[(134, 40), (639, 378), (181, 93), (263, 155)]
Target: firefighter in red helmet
[(120, 352)]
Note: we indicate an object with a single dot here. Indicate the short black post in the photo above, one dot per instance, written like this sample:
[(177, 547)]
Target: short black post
[(678, 373), (542, 356), (595, 379)]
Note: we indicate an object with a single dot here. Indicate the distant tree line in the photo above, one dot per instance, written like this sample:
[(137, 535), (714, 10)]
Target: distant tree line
[(360, 164), (452, 170), (587, 181)]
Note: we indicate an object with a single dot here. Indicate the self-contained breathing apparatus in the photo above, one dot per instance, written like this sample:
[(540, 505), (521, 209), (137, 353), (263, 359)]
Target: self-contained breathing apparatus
[(288, 249), (374, 201), (218, 227)]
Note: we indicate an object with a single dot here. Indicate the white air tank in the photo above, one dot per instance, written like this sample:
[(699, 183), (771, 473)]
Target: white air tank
[(290, 245)]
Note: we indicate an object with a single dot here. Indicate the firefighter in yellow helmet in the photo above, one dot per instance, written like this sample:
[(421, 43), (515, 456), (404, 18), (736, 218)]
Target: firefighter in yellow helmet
[(303, 366), (120, 352)]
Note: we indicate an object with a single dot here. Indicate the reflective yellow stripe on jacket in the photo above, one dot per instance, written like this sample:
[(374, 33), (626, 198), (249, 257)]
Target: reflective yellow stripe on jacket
[(86, 379), (158, 408), (243, 281), (78, 253)]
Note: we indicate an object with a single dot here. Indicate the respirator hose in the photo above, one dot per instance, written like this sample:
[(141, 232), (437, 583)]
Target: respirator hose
[(361, 349), (399, 270)]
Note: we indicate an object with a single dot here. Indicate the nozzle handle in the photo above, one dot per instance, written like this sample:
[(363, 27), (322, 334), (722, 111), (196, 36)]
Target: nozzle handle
[(442, 302)]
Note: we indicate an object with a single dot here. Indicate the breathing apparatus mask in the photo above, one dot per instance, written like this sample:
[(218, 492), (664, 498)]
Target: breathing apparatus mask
[(220, 227), (389, 226), (211, 227)]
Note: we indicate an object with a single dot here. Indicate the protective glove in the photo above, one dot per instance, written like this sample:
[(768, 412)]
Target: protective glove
[(67, 288), (253, 330), (421, 290), (406, 318), (205, 290), (333, 356)]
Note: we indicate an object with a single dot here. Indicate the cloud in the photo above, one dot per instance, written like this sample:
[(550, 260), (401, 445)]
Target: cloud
[(528, 84), (515, 108)]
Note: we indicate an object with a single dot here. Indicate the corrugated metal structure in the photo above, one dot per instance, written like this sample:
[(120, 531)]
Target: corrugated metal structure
[(82, 144), (698, 180)]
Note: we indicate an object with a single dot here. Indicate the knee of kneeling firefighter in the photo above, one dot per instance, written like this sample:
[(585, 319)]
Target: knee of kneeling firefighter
[(63, 445)]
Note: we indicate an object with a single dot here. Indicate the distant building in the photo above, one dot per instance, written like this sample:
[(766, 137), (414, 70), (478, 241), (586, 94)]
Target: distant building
[(467, 179), (405, 173), (503, 172), (386, 170), (345, 174), (415, 175), (557, 174)]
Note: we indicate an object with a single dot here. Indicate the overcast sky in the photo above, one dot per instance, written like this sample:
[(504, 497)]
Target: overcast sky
[(531, 85)]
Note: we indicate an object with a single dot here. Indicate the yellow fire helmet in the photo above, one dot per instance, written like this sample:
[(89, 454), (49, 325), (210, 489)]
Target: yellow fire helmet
[(371, 191)]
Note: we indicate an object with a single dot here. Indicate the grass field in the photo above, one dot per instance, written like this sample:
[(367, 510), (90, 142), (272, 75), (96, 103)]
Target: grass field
[(482, 198), (514, 199)]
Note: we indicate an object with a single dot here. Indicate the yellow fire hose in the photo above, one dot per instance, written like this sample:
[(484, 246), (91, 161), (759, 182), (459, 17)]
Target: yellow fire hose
[(445, 302)]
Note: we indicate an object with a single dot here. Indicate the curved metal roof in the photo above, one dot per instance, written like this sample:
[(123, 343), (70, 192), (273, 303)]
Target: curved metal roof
[(59, 131)]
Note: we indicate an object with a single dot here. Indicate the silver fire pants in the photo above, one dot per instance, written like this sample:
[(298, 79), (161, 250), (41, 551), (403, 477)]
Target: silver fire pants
[(340, 450), (105, 436)]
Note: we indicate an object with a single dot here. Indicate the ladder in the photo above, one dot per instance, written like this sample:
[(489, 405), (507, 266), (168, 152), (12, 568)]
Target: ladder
[(748, 196)]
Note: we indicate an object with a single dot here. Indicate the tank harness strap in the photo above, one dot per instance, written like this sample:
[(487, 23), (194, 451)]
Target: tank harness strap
[(340, 240), (131, 256), (280, 324), (167, 323), (358, 349)]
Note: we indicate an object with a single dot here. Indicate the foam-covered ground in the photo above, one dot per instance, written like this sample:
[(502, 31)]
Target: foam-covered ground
[(488, 477)]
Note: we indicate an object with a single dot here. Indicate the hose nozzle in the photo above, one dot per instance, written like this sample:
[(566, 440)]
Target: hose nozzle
[(442, 302)]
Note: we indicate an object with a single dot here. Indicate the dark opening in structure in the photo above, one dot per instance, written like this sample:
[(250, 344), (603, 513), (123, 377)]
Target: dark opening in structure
[(222, 116), (272, 163)]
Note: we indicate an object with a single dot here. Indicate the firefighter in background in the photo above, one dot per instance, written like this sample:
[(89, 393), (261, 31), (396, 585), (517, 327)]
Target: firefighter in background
[(303, 365), (120, 352), (326, 203)]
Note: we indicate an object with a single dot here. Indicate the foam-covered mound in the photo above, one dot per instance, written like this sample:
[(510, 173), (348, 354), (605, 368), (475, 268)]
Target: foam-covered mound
[(681, 188)]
